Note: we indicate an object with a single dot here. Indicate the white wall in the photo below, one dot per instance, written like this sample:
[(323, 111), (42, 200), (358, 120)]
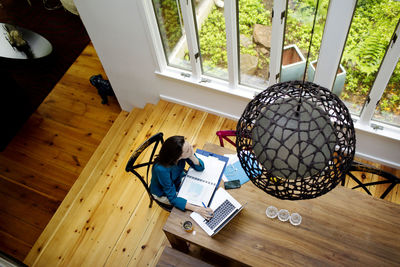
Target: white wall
[(119, 33)]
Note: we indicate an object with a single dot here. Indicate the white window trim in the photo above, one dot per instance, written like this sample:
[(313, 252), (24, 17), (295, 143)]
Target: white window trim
[(339, 17), (231, 41), (385, 72), (232, 86), (191, 33)]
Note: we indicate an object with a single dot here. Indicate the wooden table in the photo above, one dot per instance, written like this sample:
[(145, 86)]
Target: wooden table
[(342, 227)]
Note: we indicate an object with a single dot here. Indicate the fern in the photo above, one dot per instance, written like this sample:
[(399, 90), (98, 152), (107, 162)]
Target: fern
[(370, 53)]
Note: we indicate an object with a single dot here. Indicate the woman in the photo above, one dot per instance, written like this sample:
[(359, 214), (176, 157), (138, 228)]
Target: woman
[(168, 171)]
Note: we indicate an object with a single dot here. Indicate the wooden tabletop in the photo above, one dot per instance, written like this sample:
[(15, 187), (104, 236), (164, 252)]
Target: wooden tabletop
[(342, 227)]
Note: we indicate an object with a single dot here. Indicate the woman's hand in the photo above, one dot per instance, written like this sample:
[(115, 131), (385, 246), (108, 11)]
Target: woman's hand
[(207, 213), (188, 153)]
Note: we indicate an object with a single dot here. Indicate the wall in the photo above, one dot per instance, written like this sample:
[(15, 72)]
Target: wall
[(119, 33)]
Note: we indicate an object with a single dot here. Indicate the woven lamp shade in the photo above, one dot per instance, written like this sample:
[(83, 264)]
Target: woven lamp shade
[(296, 140)]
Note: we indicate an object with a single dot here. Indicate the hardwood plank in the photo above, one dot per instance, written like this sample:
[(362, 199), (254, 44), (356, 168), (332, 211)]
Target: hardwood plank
[(78, 107), (126, 197), (16, 199), (34, 148), (13, 246), (46, 178), (102, 177), (63, 210), (70, 118), (80, 135), (110, 213), (192, 126), (136, 227), (44, 155), (25, 205), (211, 124), (150, 242), (18, 229)]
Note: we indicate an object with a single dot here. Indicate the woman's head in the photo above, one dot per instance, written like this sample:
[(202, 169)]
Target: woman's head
[(171, 150)]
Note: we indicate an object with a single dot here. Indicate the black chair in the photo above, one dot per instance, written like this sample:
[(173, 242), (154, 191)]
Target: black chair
[(131, 167), (386, 178)]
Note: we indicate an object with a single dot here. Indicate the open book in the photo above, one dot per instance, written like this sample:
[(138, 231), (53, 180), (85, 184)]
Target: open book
[(199, 187), (225, 207)]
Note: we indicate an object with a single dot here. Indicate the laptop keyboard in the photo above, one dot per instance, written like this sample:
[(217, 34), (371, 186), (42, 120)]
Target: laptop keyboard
[(220, 214)]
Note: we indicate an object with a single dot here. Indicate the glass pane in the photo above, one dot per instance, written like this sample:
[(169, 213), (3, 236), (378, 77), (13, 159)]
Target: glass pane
[(388, 109), (212, 37), (371, 29), (298, 29), (172, 32), (254, 22)]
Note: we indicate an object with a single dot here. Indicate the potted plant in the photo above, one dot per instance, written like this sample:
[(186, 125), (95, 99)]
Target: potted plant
[(339, 81), (293, 64)]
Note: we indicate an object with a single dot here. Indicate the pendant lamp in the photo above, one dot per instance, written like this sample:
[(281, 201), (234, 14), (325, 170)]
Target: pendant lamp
[(296, 140)]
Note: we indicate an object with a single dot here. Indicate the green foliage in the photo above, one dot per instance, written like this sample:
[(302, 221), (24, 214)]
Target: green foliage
[(372, 27), (213, 40), (252, 12), (212, 35), (167, 14), (299, 25)]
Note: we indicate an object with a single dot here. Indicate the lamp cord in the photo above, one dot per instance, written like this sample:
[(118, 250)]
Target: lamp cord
[(308, 56)]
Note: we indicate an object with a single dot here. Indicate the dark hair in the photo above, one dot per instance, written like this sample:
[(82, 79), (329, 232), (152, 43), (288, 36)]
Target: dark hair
[(171, 150)]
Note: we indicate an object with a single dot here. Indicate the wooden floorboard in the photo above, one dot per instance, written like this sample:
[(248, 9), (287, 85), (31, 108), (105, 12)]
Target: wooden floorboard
[(42, 162)]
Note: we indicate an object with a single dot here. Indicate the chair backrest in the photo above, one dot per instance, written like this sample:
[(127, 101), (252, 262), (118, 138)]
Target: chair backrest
[(225, 135), (132, 165), (384, 178)]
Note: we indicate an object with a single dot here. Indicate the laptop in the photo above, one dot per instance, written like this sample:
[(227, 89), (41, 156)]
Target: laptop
[(225, 207)]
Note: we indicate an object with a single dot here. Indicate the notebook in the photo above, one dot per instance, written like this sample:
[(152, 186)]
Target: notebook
[(199, 186), (225, 207)]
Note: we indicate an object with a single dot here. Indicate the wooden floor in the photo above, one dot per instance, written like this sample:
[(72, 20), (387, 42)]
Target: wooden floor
[(104, 219), (39, 166)]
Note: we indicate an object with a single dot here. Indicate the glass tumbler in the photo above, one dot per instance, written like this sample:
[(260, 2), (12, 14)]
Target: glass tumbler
[(271, 212), (283, 215), (295, 219)]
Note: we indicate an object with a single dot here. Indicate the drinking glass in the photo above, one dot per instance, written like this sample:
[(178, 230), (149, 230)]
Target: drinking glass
[(283, 215), (295, 218), (271, 212)]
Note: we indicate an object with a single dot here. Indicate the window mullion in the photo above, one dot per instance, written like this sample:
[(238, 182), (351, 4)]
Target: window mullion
[(382, 79), (230, 14), (277, 33), (337, 26), (191, 35), (146, 8)]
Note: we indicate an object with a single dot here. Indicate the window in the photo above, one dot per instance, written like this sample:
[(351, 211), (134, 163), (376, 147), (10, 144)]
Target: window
[(298, 30), (249, 44), (255, 28), (370, 33), (388, 108), (170, 25)]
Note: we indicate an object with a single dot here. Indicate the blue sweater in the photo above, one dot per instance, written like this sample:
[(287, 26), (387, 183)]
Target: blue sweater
[(165, 181)]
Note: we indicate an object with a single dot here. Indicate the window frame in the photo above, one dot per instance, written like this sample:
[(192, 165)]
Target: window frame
[(363, 122)]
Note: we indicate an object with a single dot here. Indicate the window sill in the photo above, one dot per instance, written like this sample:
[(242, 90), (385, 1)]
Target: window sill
[(248, 93), (209, 83), (384, 130)]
